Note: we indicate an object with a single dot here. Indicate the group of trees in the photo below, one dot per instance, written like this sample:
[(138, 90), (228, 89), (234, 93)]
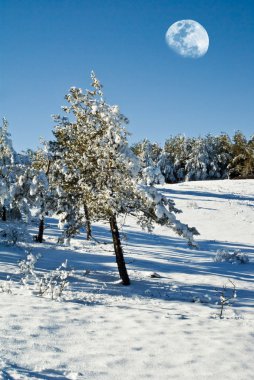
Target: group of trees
[(87, 173), (190, 159)]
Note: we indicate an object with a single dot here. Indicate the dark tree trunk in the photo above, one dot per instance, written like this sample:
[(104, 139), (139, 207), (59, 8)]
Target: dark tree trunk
[(39, 237), (118, 251), (88, 223), (41, 230), (4, 216)]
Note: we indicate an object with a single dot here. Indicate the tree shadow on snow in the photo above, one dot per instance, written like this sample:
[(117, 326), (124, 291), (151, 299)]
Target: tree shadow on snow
[(207, 194), (146, 252), (13, 371), (96, 271)]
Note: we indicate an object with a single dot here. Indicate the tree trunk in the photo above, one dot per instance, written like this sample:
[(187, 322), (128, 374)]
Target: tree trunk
[(4, 216), (118, 251), (41, 230), (88, 223)]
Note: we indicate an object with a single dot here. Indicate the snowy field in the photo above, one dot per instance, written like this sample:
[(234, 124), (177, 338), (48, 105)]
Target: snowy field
[(160, 328)]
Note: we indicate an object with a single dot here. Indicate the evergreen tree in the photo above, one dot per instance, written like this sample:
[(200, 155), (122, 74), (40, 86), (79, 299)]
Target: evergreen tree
[(197, 162), (94, 166), (9, 168), (167, 167), (178, 149), (223, 154), (242, 164), (22, 185), (149, 155), (205, 159), (41, 161)]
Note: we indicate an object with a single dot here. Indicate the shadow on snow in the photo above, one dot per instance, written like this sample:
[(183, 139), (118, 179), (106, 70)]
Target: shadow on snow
[(144, 253)]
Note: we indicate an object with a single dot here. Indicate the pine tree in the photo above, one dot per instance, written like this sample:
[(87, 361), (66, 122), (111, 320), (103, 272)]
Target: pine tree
[(149, 155), (223, 154), (197, 162), (242, 163), (9, 168), (178, 149), (22, 186), (94, 166), (205, 159), (167, 167), (197, 158), (42, 161)]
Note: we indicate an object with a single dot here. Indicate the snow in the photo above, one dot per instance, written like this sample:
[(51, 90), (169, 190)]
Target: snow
[(161, 327)]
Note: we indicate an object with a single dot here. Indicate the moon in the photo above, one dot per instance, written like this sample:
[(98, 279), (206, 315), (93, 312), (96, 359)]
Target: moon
[(188, 38)]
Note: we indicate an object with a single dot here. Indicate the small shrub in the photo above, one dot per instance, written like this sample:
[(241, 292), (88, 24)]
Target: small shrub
[(6, 286), (13, 232), (231, 257), (49, 284), (55, 282), (26, 267), (225, 298)]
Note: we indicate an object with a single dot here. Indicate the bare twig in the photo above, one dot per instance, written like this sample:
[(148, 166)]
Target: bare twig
[(224, 300)]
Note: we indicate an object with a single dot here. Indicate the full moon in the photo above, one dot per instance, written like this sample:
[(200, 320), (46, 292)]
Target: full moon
[(188, 38)]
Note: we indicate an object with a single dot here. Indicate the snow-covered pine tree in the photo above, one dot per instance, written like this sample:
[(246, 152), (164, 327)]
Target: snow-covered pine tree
[(68, 172), (223, 154), (195, 166), (203, 160), (46, 195), (178, 149), (9, 169), (22, 186), (167, 167), (95, 166), (198, 158), (149, 155), (34, 190)]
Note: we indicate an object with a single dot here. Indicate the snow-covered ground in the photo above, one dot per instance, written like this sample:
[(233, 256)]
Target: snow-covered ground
[(159, 328)]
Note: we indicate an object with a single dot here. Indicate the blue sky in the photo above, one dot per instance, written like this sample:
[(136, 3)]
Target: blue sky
[(49, 45)]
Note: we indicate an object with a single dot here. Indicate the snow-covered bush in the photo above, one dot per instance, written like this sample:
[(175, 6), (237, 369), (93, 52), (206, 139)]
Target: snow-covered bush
[(6, 286), (50, 284), (236, 256), (26, 267), (55, 282), (13, 232)]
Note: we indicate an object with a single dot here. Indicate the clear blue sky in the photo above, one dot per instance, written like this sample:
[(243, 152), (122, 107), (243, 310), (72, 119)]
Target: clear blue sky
[(49, 45)]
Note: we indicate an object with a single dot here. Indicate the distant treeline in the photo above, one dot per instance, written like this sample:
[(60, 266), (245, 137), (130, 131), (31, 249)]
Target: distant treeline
[(196, 158)]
